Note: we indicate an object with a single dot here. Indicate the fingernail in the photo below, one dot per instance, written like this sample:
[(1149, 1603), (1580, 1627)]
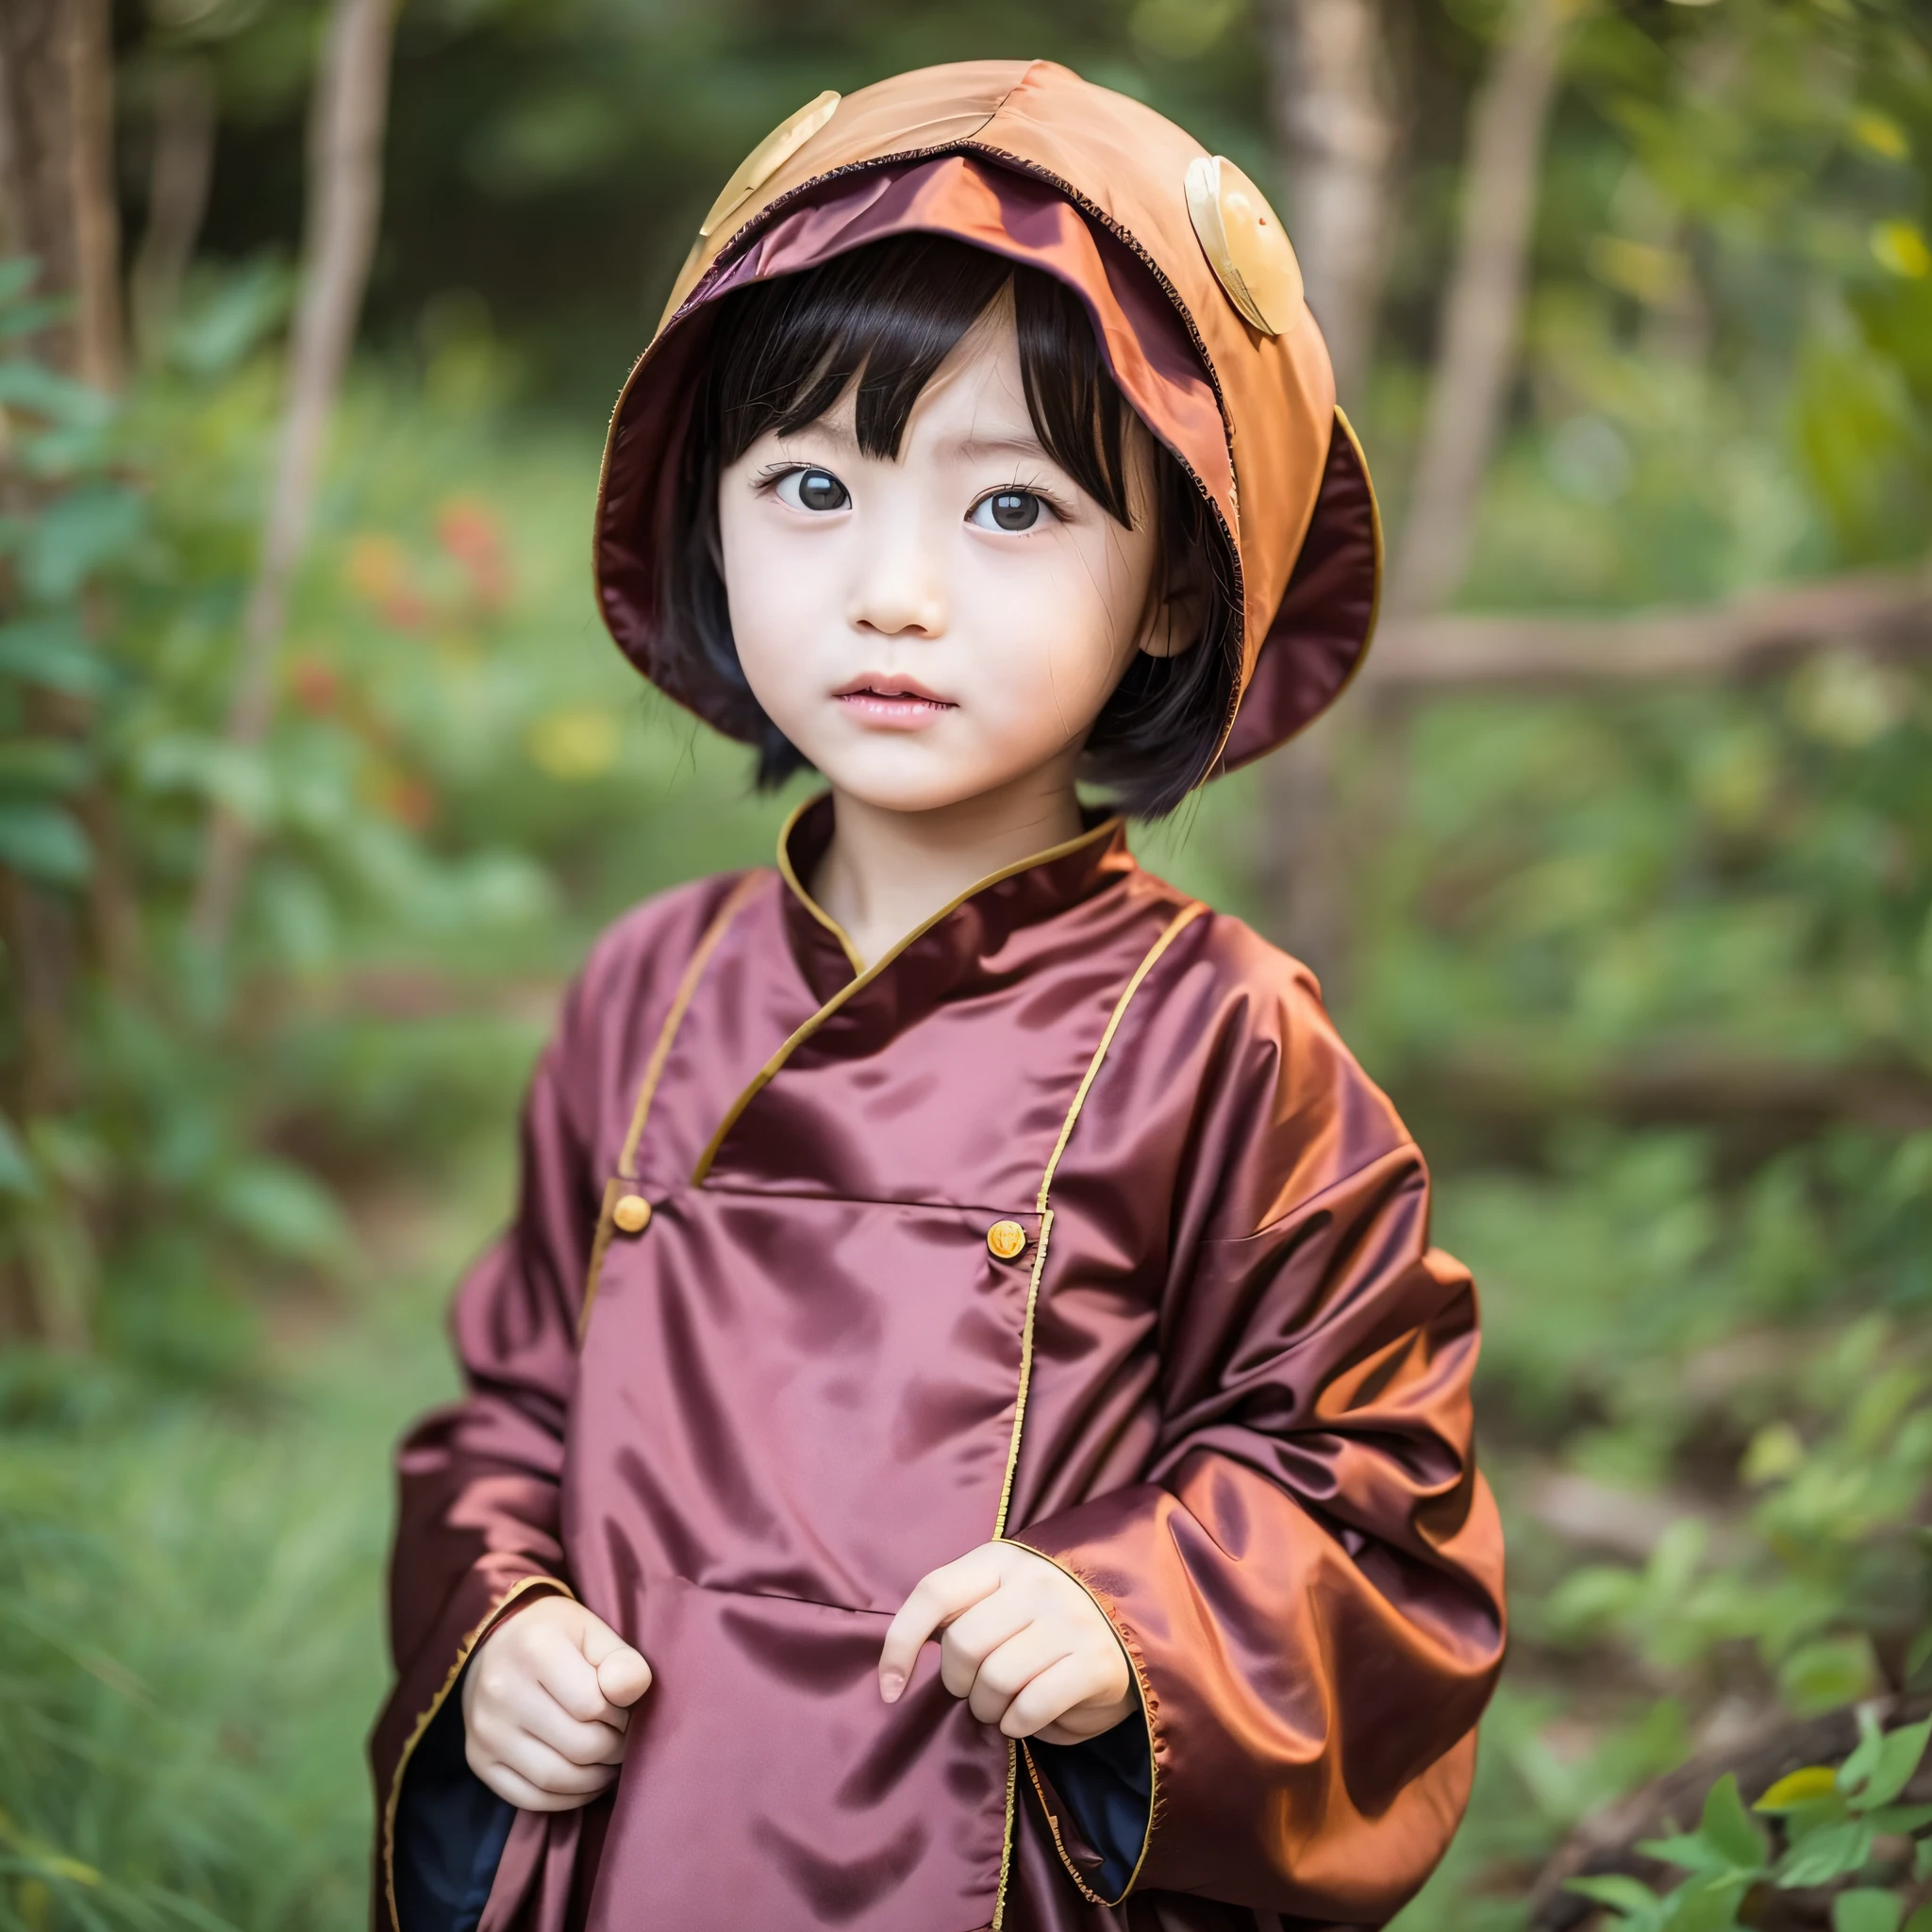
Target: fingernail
[(891, 1684)]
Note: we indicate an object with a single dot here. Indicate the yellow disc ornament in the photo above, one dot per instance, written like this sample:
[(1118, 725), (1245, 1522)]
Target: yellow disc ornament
[(771, 154), (1246, 245)]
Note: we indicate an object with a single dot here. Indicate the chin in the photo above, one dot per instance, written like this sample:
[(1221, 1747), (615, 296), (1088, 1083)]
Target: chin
[(902, 783)]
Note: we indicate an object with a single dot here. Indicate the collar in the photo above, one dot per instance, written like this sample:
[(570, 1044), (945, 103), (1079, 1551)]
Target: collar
[(962, 943)]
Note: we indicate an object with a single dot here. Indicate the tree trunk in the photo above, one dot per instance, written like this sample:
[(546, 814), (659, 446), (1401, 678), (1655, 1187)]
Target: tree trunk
[(57, 131), (1336, 131), (1483, 310), (1332, 98), (345, 133)]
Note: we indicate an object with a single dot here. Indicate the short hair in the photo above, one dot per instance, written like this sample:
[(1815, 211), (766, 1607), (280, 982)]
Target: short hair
[(883, 318)]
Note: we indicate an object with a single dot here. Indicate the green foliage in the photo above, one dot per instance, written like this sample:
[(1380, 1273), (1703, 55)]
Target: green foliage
[(1830, 1824)]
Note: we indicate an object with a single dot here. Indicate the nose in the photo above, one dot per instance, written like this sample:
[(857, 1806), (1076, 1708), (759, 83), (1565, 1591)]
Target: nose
[(900, 590)]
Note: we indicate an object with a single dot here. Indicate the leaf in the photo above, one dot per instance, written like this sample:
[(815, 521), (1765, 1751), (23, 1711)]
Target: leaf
[(1920, 1655), (282, 1209), (1900, 1821), (77, 533), (1727, 1827), (43, 764), (1921, 1920), (1922, 1861), (1864, 1756), (1798, 1788), (29, 386), (1897, 1759), (17, 276), (17, 1176), (1624, 1894), (1690, 1851), (52, 652), (1705, 1904), (42, 841), (1866, 1908), (1826, 1855), (1820, 1676)]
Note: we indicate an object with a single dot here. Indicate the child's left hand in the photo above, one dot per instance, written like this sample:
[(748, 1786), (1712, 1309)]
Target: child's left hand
[(1027, 1647)]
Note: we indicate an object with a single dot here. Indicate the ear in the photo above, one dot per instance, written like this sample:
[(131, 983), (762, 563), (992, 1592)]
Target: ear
[(1177, 608)]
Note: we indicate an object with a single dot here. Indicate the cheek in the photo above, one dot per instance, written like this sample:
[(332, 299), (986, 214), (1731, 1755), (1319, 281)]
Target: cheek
[(771, 588), (1061, 629)]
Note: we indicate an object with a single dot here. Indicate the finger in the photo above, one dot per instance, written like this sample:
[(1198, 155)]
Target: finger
[(1010, 1668), (974, 1634), (530, 1758), (559, 1665), (520, 1792), (938, 1597), (1048, 1696), (531, 1708), (624, 1676)]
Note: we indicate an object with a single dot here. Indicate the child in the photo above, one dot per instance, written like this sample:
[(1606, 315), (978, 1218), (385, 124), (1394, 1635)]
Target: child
[(966, 1421)]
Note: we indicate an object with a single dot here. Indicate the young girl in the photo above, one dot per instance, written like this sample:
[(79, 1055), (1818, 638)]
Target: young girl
[(967, 1428)]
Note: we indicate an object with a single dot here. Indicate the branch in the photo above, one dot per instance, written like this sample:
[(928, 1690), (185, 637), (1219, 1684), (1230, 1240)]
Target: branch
[(1890, 610), (178, 173), (1482, 310), (345, 196)]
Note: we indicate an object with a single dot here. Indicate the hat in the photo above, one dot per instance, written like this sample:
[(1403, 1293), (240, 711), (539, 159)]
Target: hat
[(1197, 303)]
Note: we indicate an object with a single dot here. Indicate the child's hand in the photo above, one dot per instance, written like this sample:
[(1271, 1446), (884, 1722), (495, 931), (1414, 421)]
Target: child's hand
[(1027, 1647), (547, 1704)]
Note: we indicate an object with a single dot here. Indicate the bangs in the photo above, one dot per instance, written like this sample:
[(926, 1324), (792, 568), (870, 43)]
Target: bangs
[(878, 322)]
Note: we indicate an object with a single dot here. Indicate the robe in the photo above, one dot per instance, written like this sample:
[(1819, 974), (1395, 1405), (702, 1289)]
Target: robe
[(1069, 1221)]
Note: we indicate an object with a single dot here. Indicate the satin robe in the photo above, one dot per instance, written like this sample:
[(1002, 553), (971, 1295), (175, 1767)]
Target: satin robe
[(1224, 1384)]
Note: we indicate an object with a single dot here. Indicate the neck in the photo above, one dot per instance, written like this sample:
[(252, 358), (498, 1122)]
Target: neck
[(886, 872)]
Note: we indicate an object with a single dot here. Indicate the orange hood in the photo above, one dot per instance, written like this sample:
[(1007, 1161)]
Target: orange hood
[(1194, 296)]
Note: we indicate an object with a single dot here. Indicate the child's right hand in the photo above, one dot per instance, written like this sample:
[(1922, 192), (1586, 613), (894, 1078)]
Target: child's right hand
[(546, 1702)]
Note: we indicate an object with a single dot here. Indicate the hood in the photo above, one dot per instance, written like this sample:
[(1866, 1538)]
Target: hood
[(1195, 299)]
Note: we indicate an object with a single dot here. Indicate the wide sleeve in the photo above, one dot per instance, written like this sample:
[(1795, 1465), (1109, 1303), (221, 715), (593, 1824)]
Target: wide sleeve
[(1308, 1578), (477, 1533)]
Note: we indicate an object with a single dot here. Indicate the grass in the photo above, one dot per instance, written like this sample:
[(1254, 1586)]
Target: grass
[(191, 1635)]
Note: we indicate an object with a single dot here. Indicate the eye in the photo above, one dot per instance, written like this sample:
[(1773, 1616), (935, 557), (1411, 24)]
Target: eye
[(1006, 509), (813, 489)]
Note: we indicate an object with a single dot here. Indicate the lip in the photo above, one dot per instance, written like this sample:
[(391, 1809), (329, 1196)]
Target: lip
[(899, 704)]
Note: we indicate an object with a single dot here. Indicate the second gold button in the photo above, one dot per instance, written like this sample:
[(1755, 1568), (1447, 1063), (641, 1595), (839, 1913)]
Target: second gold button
[(632, 1214), (1006, 1239)]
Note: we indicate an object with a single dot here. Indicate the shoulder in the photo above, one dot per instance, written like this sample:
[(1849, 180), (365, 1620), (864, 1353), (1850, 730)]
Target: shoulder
[(633, 970), (1271, 1053)]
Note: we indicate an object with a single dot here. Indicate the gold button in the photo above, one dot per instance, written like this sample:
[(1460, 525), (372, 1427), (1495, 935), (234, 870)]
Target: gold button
[(1006, 1239), (1246, 245), (632, 1214)]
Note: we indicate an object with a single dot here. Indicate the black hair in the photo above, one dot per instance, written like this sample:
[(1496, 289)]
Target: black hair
[(883, 318)]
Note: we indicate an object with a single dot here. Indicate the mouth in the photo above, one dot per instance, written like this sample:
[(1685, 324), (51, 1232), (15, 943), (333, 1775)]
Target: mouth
[(898, 702)]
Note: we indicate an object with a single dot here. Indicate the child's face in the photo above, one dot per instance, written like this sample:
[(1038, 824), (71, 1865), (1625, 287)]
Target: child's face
[(932, 629)]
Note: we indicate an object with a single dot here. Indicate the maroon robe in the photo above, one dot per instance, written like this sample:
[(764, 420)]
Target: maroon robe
[(1225, 1385)]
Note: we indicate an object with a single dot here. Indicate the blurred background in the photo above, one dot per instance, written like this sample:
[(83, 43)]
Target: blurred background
[(317, 775)]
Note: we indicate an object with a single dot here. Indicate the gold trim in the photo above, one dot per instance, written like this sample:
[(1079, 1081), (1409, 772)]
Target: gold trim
[(1169, 933), (464, 1651), (791, 877), (735, 902), (999, 1897), (1146, 1691), (764, 1075)]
